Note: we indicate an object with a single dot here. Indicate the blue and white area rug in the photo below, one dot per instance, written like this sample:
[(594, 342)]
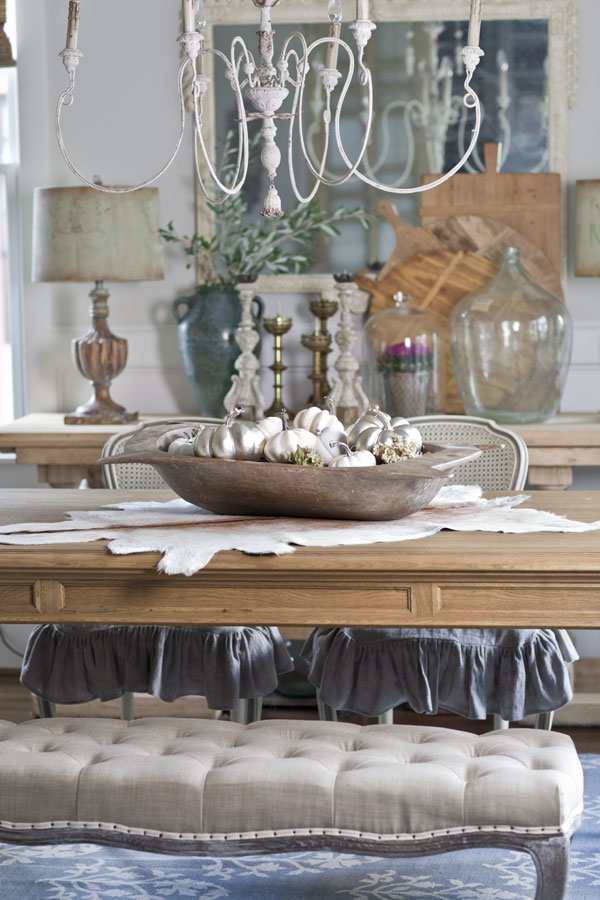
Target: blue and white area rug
[(87, 872)]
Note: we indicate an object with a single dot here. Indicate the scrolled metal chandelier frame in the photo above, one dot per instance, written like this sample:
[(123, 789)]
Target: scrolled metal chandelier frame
[(267, 86)]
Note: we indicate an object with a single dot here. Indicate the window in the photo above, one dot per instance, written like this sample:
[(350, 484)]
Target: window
[(10, 269)]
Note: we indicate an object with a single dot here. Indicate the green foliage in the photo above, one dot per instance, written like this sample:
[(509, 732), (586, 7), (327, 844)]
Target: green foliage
[(240, 247)]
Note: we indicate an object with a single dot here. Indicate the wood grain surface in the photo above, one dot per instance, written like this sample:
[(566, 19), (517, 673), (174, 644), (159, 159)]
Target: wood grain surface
[(478, 234), (528, 202), (451, 579)]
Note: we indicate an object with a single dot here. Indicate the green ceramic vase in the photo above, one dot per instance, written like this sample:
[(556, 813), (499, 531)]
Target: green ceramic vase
[(207, 323)]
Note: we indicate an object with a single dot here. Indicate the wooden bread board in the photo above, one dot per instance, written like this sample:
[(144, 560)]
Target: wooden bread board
[(528, 202), (480, 235)]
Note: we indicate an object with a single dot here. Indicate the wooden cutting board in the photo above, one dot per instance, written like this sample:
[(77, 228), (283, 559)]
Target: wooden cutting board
[(526, 201), (436, 282), (476, 234)]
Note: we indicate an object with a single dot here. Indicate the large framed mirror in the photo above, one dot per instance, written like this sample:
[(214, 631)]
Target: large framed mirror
[(526, 82)]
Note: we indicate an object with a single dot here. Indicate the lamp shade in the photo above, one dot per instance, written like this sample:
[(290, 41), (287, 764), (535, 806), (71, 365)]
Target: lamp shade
[(81, 234)]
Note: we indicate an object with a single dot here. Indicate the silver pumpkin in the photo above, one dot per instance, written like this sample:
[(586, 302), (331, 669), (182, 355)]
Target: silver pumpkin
[(373, 418), (376, 427), (181, 446), (202, 441), (237, 440)]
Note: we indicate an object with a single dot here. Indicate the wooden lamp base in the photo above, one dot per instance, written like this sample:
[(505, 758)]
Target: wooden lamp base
[(100, 356)]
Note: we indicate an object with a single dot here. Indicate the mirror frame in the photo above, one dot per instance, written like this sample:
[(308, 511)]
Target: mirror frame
[(562, 18)]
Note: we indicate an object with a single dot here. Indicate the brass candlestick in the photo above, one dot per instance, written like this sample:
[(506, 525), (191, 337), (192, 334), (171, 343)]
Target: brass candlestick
[(319, 344), (322, 310), (277, 327)]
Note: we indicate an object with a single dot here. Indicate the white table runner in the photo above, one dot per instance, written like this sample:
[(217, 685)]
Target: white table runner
[(188, 537)]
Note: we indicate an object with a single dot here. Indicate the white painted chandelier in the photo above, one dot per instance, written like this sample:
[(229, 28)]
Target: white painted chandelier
[(267, 86)]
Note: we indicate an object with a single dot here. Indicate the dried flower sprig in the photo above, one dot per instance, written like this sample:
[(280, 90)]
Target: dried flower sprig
[(398, 448)]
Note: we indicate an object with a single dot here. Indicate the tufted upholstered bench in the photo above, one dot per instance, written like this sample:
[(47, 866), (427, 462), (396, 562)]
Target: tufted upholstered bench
[(217, 788)]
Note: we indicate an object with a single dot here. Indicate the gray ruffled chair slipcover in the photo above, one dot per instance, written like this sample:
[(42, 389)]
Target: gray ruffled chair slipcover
[(233, 667), (77, 663), (472, 672)]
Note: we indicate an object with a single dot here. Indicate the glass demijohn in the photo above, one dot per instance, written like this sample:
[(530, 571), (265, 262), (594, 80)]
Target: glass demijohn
[(402, 360), (511, 346)]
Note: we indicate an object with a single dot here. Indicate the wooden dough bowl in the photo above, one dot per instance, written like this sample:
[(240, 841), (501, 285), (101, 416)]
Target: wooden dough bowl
[(233, 487)]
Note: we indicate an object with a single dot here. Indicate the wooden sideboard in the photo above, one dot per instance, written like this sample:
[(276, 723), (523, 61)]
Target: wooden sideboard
[(66, 454)]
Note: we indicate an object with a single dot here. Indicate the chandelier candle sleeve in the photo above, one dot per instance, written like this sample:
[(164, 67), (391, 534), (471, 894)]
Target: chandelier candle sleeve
[(362, 9), (474, 23), (335, 30), (188, 16), (73, 25)]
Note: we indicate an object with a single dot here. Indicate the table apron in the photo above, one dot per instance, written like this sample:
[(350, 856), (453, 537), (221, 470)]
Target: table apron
[(348, 598)]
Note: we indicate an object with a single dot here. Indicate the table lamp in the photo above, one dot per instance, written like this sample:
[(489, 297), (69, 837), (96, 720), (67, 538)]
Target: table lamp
[(81, 234)]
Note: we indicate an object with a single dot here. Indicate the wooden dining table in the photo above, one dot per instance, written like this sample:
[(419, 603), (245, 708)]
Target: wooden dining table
[(450, 579)]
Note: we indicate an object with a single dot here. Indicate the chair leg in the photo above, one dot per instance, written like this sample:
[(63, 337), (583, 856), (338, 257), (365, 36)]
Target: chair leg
[(326, 713), (552, 864), (500, 724), (386, 718), (240, 713), (126, 704), (255, 705), (46, 709), (544, 720)]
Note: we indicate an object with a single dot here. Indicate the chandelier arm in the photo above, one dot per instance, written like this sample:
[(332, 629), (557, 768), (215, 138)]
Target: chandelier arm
[(292, 174), (352, 167), (66, 99), (243, 147), (386, 138), (371, 170), (471, 101), (474, 165), (287, 54), (469, 167), (250, 63), (396, 104)]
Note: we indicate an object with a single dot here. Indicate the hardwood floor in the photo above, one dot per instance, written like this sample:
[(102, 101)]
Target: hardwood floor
[(16, 706)]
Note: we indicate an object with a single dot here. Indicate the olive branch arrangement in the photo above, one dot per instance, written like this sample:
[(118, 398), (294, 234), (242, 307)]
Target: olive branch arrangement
[(243, 247)]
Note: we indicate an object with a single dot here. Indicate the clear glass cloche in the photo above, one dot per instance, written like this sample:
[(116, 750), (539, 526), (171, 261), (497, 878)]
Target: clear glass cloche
[(402, 360), (511, 345)]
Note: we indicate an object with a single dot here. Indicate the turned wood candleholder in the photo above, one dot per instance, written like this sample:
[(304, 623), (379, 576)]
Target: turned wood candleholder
[(278, 326)]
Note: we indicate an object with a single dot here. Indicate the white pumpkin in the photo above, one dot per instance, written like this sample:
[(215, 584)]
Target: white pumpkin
[(270, 426), (181, 447), (279, 447), (166, 439), (330, 441), (315, 419), (351, 458)]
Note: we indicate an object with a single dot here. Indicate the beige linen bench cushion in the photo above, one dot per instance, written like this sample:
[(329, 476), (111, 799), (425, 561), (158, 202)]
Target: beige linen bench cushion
[(215, 787)]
